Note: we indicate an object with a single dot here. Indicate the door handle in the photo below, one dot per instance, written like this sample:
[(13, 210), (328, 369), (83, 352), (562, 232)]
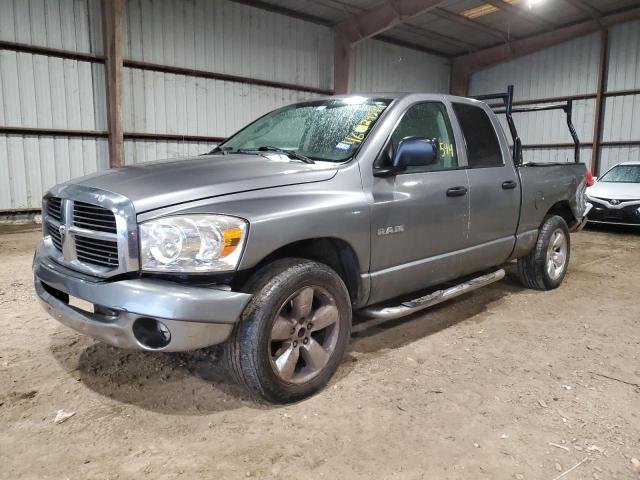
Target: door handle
[(509, 185), (456, 191)]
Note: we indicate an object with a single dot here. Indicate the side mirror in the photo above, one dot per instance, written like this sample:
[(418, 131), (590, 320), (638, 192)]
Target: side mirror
[(414, 152)]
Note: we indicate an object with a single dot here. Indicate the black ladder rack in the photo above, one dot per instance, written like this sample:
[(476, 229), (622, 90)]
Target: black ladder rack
[(508, 109)]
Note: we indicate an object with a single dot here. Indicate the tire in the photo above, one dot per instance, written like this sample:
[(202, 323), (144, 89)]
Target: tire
[(276, 324), (542, 268)]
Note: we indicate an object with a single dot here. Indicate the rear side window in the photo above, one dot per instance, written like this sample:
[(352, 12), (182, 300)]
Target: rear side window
[(483, 148)]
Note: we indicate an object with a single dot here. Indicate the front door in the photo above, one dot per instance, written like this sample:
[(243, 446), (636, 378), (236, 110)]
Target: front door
[(420, 216)]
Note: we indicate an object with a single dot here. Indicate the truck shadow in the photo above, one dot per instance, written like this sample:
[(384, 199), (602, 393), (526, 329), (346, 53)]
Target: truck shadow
[(188, 383), (197, 383), (371, 335)]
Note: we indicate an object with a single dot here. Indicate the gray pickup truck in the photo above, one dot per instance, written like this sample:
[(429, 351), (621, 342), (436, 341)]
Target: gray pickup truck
[(380, 205)]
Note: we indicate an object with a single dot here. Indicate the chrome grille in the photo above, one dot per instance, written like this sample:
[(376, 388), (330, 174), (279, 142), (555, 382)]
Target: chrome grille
[(56, 238), (83, 232), (90, 230), (98, 252), (54, 208), (617, 201), (93, 217)]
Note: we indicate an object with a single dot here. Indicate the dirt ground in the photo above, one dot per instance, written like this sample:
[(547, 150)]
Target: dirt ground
[(503, 383)]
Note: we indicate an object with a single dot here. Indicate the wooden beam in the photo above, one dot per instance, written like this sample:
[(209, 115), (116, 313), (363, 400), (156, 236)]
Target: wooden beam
[(192, 72), (393, 12), (51, 52), (172, 137), (341, 63), (463, 66), (523, 12), (602, 85), (467, 22), (460, 78), (112, 12), (51, 132)]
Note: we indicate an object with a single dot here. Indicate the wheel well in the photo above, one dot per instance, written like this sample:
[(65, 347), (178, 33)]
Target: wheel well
[(333, 252), (562, 209)]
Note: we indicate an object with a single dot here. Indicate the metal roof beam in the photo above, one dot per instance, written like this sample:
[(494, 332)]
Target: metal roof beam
[(585, 7), (392, 13), (518, 11), (439, 38)]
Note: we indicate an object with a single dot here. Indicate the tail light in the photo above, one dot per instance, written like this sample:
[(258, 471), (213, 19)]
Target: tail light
[(590, 180)]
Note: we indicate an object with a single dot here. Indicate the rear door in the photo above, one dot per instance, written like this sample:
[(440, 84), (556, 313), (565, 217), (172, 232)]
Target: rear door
[(494, 188)]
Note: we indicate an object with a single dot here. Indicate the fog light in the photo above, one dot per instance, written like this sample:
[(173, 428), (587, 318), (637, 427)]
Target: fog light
[(151, 333)]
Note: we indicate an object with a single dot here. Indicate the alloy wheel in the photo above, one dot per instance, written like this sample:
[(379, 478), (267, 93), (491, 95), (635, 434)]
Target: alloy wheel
[(304, 334), (557, 254)]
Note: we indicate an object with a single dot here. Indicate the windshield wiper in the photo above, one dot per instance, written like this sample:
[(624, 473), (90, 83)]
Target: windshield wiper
[(296, 155), (264, 148)]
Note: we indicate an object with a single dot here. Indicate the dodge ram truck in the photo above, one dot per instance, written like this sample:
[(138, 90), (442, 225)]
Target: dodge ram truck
[(376, 205)]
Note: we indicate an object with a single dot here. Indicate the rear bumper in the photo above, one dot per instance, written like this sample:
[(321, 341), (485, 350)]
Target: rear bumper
[(196, 317), (584, 220)]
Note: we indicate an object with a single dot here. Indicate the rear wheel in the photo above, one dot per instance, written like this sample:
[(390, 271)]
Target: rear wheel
[(294, 332), (546, 264)]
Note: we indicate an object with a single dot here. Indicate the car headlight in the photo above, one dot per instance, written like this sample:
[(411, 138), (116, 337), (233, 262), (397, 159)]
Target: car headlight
[(192, 243)]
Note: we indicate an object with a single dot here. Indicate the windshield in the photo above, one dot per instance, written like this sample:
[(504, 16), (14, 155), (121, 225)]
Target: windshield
[(330, 130), (622, 174)]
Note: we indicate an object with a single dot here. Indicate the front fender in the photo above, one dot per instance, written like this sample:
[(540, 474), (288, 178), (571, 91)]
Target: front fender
[(335, 208)]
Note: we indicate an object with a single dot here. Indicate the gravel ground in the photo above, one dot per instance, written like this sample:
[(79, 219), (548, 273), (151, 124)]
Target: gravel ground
[(503, 383)]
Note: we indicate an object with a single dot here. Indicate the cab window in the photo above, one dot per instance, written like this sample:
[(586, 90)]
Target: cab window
[(483, 148)]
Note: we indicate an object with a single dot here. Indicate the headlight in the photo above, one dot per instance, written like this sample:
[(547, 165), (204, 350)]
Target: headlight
[(192, 243)]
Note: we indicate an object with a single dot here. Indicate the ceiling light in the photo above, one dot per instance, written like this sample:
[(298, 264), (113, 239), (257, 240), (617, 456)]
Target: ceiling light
[(484, 9)]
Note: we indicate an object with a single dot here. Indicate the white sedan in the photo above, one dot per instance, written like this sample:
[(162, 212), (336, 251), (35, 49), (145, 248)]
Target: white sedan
[(616, 196)]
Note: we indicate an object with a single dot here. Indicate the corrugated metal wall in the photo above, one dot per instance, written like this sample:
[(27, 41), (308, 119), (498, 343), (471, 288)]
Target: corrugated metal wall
[(222, 37), (378, 66), (38, 91), (45, 92), (566, 69), (622, 114), (228, 37)]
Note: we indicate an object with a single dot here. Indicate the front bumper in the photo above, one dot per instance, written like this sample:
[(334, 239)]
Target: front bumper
[(624, 214), (196, 317)]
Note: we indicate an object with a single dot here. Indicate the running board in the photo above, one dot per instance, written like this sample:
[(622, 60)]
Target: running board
[(417, 304)]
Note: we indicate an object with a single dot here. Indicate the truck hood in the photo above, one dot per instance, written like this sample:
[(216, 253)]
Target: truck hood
[(619, 191), (164, 183)]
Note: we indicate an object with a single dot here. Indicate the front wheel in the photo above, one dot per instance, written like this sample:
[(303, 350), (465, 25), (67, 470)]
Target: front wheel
[(293, 334), (546, 264)]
